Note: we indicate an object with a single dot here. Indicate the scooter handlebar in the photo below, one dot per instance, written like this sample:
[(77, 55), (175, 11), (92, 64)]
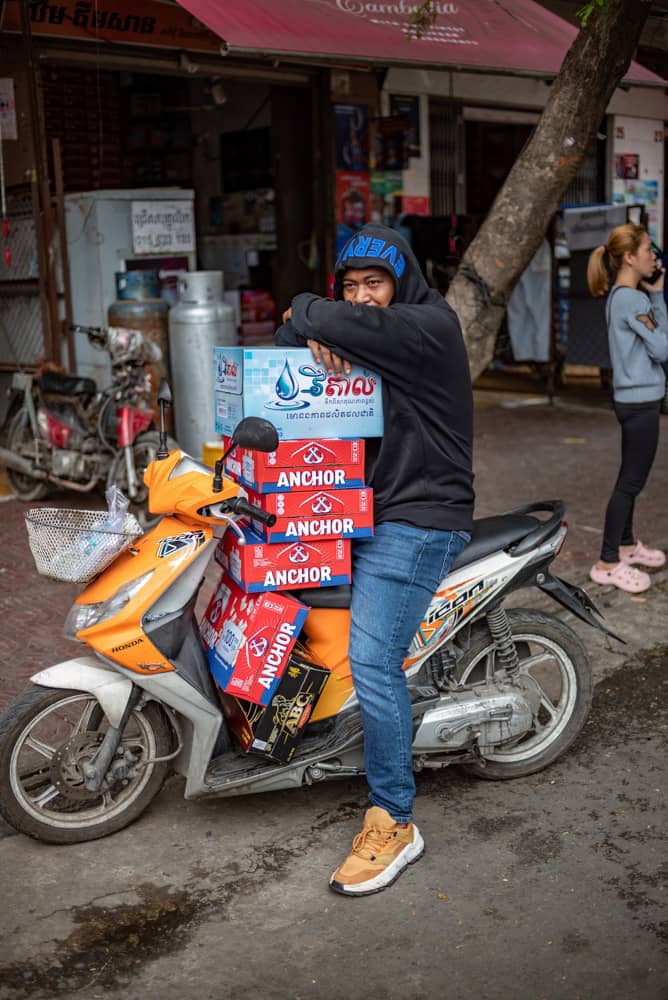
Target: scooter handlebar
[(243, 507)]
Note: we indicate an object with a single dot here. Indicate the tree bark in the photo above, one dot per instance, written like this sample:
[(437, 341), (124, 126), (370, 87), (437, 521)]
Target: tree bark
[(521, 213)]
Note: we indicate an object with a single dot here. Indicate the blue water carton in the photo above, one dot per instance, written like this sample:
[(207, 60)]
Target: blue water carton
[(286, 386)]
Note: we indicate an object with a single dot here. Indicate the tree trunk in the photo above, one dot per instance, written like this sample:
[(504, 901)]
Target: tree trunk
[(521, 213)]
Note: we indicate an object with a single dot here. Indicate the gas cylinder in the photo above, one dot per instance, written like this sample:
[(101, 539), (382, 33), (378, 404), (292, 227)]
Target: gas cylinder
[(199, 322), (138, 305)]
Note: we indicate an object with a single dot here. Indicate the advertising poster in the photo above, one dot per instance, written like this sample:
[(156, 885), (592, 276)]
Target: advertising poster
[(642, 193), (408, 107), (353, 204), (351, 129), (627, 166), (416, 204), (386, 189), (392, 143)]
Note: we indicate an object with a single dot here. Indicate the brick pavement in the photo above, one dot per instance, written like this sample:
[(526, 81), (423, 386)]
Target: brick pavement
[(524, 451)]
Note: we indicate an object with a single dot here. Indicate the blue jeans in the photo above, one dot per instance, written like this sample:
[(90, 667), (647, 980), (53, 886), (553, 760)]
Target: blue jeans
[(395, 575)]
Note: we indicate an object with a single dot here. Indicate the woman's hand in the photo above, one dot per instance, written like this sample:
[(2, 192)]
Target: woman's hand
[(333, 364), (656, 286)]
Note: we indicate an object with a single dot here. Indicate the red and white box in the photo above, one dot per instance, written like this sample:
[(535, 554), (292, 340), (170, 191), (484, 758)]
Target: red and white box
[(315, 516), (299, 465), (249, 639), (259, 566)]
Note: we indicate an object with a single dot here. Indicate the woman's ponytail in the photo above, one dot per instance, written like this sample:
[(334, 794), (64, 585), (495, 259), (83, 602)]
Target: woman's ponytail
[(597, 276)]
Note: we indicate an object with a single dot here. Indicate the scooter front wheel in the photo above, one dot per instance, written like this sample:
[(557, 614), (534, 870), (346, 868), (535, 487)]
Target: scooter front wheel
[(46, 736)]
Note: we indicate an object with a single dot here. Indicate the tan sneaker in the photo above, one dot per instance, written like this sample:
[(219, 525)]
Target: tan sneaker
[(379, 855)]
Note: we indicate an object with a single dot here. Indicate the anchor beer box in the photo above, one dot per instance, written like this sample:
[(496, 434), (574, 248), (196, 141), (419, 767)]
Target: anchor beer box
[(249, 639), (285, 385), (308, 464), (316, 515), (257, 566)]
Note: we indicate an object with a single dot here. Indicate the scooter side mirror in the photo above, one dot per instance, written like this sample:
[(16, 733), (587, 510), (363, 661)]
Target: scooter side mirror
[(251, 432), (164, 400), (164, 393), (255, 433)]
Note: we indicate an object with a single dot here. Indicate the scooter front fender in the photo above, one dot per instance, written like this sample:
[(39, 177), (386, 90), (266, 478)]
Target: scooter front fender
[(86, 673)]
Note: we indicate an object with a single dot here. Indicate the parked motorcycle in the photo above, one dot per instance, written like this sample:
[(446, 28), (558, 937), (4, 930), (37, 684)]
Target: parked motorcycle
[(65, 433), (85, 749)]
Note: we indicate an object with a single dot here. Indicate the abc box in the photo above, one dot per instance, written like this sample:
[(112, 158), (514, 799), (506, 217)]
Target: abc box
[(275, 730), (313, 463), (285, 386), (249, 639), (258, 566)]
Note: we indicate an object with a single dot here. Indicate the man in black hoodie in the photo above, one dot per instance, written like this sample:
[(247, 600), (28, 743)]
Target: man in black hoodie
[(385, 317)]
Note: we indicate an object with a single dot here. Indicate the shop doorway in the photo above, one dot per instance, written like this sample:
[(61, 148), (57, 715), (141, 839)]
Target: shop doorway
[(491, 150)]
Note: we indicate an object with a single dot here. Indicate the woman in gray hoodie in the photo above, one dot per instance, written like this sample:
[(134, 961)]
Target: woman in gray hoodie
[(638, 340)]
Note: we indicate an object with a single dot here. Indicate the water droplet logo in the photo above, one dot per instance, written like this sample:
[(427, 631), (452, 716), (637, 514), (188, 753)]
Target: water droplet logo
[(287, 390), (286, 387)]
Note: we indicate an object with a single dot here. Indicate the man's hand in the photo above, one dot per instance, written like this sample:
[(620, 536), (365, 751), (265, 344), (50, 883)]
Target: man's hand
[(333, 364)]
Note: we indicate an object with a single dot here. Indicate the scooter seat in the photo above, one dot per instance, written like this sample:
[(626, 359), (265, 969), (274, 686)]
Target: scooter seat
[(325, 597), (490, 534), (61, 384)]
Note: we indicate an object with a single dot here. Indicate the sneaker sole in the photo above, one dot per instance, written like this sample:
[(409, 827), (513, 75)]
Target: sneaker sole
[(409, 856)]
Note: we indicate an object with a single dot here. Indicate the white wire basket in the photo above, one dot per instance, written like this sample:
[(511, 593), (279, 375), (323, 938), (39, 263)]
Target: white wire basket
[(74, 545)]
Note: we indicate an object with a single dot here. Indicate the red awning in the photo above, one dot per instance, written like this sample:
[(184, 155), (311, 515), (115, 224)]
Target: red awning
[(518, 36)]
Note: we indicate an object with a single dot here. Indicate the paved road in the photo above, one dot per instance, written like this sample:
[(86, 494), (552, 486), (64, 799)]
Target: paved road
[(549, 888)]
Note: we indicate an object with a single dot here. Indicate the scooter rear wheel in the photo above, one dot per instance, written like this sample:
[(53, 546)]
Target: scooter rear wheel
[(556, 661), (19, 439), (46, 735)]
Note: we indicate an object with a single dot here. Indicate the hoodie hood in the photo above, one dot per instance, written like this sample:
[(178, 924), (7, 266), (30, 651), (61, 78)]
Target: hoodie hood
[(379, 246)]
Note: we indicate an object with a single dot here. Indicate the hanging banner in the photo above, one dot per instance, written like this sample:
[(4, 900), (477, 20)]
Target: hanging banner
[(132, 22)]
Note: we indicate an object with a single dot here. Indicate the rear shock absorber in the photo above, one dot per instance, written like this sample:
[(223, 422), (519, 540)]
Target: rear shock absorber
[(506, 652)]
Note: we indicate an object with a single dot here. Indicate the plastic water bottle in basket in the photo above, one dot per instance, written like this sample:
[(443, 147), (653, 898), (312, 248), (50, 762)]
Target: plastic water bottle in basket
[(76, 545)]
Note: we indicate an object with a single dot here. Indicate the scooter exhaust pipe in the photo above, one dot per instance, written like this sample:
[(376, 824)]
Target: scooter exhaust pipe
[(13, 461)]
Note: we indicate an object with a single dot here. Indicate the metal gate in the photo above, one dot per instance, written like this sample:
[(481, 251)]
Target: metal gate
[(21, 329)]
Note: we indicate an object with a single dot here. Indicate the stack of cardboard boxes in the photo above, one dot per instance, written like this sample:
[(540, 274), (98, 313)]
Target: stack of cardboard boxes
[(315, 487)]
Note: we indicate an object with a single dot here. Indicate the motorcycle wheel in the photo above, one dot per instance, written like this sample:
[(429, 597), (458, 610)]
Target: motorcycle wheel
[(552, 654), (19, 439), (45, 736), (144, 451)]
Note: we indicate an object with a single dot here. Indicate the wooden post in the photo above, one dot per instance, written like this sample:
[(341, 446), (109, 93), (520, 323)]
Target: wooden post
[(64, 254), (43, 220)]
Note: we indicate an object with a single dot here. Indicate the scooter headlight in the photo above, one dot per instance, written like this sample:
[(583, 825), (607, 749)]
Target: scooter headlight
[(83, 616)]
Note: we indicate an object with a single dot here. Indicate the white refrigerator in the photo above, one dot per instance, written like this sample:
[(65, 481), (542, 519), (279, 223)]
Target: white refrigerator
[(106, 232)]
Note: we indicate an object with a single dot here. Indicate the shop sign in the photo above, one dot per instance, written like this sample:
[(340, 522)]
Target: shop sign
[(145, 22), (7, 109), (585, 228), (162, 227)]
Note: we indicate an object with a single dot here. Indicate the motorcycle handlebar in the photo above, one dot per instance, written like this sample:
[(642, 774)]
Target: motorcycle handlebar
[(97, 335), (241, 506)]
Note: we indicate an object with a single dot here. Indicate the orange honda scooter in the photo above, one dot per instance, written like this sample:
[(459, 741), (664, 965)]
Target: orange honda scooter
[(88, 745)]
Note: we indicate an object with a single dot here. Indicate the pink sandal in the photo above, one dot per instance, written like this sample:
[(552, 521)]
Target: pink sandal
[(633, 581), (644, 556)]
